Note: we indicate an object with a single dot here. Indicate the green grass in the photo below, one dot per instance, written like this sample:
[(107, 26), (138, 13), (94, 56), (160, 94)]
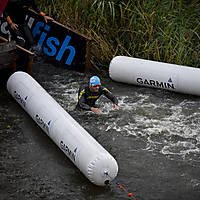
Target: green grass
[(161, 30)]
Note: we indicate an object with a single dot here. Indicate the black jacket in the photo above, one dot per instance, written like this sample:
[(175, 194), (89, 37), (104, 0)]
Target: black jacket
[(16, 10), (87, 99)]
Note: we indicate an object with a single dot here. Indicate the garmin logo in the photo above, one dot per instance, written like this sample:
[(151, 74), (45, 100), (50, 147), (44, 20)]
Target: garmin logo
[(157, 84), (66, 149), (41, 123), (20, 99), (52, 46)]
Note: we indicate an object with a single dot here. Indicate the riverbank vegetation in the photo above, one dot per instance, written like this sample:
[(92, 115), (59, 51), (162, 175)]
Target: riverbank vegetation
[(161, 30)]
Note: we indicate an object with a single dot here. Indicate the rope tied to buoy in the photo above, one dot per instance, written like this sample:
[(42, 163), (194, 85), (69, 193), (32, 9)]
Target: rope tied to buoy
[(128, 193), (121, 187)]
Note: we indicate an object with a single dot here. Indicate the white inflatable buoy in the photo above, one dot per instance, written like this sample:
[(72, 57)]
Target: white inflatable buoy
[(80, 147), (154, 74)]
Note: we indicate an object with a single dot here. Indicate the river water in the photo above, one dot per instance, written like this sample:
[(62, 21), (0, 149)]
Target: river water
[(155, 138)]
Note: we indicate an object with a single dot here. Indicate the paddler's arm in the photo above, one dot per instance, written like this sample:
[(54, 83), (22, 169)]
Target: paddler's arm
[(7, 16), (81, 100), (36, 8), (110, 96)]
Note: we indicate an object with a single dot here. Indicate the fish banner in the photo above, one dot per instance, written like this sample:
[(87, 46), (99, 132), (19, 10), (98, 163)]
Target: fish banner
[(60, 46)]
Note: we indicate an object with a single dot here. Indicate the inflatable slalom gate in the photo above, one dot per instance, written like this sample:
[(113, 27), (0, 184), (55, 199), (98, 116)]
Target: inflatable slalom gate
[(154, 74), (80, 147)]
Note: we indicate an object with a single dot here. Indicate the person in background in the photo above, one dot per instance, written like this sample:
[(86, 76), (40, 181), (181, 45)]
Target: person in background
[(2, 6), (15, 13), (88, 95)]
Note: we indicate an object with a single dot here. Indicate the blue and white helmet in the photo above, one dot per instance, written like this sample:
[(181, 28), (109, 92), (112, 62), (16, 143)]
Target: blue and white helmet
[(94, 80)]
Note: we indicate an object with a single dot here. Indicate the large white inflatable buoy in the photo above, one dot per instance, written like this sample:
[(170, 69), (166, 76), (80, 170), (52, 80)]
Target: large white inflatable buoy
[(154, 74), (80, 147)]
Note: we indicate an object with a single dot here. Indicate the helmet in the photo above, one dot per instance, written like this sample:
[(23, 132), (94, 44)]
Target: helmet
[(94, 80)]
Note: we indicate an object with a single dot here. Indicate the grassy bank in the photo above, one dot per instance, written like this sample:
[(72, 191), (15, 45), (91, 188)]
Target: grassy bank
[(161, 30)]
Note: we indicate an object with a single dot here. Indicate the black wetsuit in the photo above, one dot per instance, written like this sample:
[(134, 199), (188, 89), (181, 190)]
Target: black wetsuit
[(16, 11), (87, 99)]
